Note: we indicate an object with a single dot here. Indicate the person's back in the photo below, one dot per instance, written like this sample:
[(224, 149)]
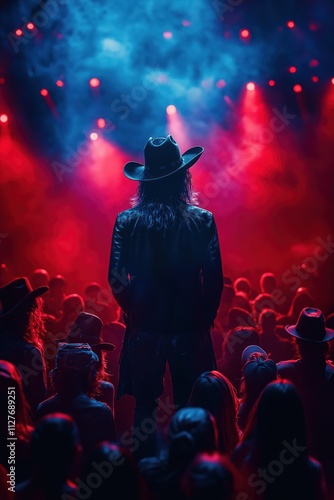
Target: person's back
[(165, 272), (165, 265), (313, 375), (75, 379)]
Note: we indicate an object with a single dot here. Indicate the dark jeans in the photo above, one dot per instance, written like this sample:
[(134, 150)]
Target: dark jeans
[(187, 355)]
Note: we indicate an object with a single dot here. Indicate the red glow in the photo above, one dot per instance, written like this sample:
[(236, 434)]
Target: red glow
[(171, 109), (186, 23), (30, 26), (94, 82), (332, 80), (2, 80), (293, 69), (250, 86), (271, 83), (167, 35), (44, 92), (313, 63), (101, 123), (244, 33), (297, 88), (3, 118), (315, 79), (221, 84), (290, 24), (19, 32), (60, 83)]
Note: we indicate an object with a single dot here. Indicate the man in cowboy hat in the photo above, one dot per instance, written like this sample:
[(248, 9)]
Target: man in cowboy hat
[(165, 273), (313, 375), (21, 330)]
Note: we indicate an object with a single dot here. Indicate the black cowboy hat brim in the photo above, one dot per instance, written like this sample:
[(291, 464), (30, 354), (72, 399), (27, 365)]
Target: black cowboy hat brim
[(27, 301), (137, 171), (103, 346), (291, 329)]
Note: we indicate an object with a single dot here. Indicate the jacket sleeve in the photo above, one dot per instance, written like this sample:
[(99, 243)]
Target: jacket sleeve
[(212, 273), (118, 275)]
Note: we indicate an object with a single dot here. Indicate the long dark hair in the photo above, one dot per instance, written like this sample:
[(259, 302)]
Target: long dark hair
[(161, 201)]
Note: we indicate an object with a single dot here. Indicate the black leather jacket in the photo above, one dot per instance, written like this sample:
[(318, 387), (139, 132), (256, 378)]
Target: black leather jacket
[(167, 281)]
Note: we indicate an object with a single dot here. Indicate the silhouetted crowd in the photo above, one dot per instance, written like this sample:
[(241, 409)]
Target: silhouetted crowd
[(258, 427)]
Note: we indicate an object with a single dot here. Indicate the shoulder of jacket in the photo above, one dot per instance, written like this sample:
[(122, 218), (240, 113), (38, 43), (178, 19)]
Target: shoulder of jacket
[(199, 212)]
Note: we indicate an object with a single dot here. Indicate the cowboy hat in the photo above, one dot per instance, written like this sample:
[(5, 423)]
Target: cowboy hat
[(162, 158), (87, 328), (311, 326), (18, 294)]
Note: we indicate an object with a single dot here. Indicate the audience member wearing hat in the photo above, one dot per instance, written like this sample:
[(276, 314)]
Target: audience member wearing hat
[(21, 334), (75, 379), (87, 328), (313, 375)]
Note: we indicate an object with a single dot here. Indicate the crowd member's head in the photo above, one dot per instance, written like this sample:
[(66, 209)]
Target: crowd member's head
[(235, 342), (76, 369), (39, 277), (277, 417), (87, 329), (54, 447), (215, 393), (241, 300), (191, 430), (209, 476), (301, 299), (239, 317), (258, 370), (21, 316), (311, 335), (72, 305), (261, 302), (119, 474), (243, 284), (268, 282)]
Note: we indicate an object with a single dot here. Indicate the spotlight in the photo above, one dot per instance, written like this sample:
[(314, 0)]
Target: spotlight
[(94, 82), (60, 83), (101, 123), (332, 80), (292, 69), (297, 88), (3, 118), (315, 79), (244, 34), (271, 83), (171, 109), (30, 26), (44, 92), (290, 24), (313, 63), (250, 86), (94, 136), (167, 35), (19, 32)]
